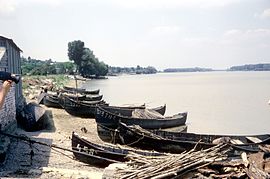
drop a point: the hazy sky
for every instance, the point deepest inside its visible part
(161, 33)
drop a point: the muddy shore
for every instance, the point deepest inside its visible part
(46, 162)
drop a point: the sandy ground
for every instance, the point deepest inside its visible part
(47, 162)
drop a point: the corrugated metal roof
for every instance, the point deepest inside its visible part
(11, 41)
(2, 52)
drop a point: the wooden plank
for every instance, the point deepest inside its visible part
(254, 139)
(236, 141)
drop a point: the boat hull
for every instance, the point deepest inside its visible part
(79, 90)
(110, 120)
(102, 153)
(84, 109)
(51, 101)
(112, 135)
(179, 142)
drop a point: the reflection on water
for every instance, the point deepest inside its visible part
(217, 102)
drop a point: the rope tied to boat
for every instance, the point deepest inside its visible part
(138, 140)
(31, 141)
(113, 136)
(113, 133)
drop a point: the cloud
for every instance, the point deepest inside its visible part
(175, 3)
(248, 36)
(45, 2)
(260, 32)
(232, 32)
(165, 30)
(247, 33)
(7, 6)
(266, 13)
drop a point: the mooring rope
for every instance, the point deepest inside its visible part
(28, 139)
(138, 140)
(113, 132)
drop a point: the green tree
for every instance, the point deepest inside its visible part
(87, 64)
(102, 69)
(150, 70)
(64, 67)
(39, 67)
(76, 51)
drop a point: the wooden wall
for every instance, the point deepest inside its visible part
(11, 62)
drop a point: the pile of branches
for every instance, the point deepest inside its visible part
(209, 163)
(171, 164)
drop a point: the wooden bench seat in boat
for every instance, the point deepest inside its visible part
(236, 141)
(254, 139)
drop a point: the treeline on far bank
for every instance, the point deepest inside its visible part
(251, 67)
(82, 62)
(132, 70)
(31, 66)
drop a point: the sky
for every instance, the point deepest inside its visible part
(161, 33)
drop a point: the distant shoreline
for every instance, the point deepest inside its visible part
(246, 67)
(161, 72)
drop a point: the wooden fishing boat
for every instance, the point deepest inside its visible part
(68, 88)
(33, 117)
(51, 101)
(77, 96)
(109, 117)
(174, 142)
(91, 91)
(108, 153)
(160, 109)
(85, 109)
(84, 97)
(41, 97)
(127, 110)
(92, 97)
(79, 90)
(91, 157)
(112, 135)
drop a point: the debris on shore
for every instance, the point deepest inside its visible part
(208, 163)
(33, 85)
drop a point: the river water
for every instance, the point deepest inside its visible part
(216, 102)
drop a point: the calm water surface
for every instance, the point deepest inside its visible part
(216, 102)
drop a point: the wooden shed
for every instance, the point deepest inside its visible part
(10, 61)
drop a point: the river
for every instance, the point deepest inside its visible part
(216, 102)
